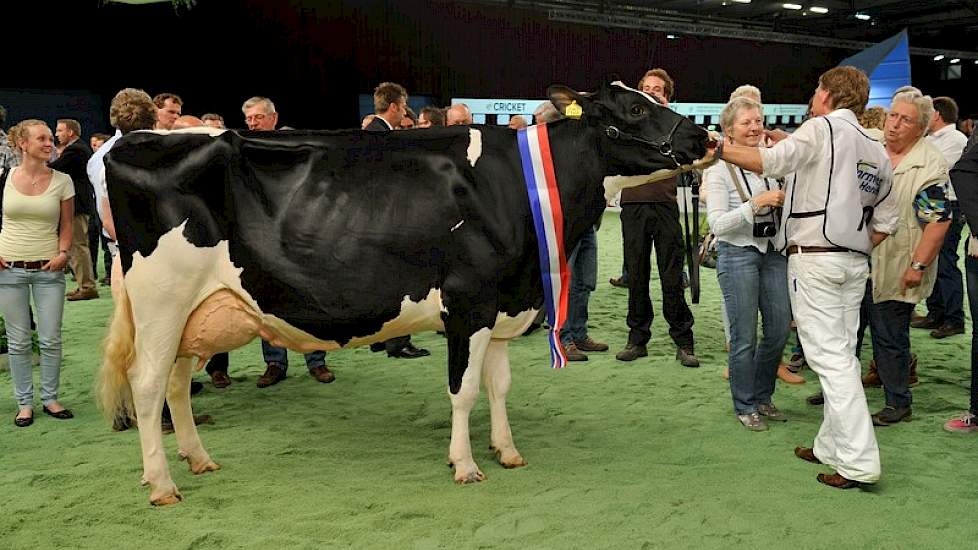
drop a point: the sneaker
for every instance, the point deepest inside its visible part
(753, 421)
(687, 358)
(771, 412)
(632, 352)
(964, 424)
(944, 331)
(572, 353)
(587, 344)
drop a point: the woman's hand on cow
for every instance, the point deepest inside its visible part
(774, 199)
(56, 263)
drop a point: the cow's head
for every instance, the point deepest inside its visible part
(639, 135)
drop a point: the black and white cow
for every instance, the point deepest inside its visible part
(326, 240)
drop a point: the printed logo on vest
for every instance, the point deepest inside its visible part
(868, 175)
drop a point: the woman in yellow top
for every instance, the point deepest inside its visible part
(38, 206)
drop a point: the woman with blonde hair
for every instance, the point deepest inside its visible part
(38, 206)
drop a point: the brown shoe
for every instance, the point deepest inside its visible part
(837, 481)
(872, 378)
(87, 294)
(587, 344)
(274, 374)
(923, 321)
(912, 380)
(787, 376)
(807, 454)
(573, 353)
(944, 331)
(322, 374)
(220, 379)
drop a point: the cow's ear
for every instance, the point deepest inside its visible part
(562, 97)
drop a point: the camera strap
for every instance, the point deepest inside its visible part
(744, 197)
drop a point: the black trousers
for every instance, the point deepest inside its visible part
(217, 363)
(642, 226)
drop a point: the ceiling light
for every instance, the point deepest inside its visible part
(818, 9)
(742, 1)
(791, 6)
(956, 60)
(938, 57)
(863, 16)
(671, 36)
(976, 61)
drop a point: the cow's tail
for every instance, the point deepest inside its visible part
(114, 392)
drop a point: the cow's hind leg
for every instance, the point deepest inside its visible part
(178, 396)
(148, 380)
(496, 378)
(466, 353)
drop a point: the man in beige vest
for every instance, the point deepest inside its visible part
(904, 267)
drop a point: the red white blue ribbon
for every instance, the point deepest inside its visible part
(548, 219)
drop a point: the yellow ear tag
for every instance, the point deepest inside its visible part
(573, 111)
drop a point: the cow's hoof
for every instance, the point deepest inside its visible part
(167, 497)
(204, 467)
(464, 477)
(509, 458)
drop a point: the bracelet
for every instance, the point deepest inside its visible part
(917, 266)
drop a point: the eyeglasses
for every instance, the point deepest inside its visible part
(256, 118)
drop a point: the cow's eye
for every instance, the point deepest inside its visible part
(638, 110)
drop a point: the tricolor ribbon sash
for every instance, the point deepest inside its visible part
(548, 219)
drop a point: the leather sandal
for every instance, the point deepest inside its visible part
(23, 422)
(63, 414)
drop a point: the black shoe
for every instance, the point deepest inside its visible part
(196, 387)
(891, 415)
(63, 414)
(409, 352)
(815, 399)
(687, 358)
(632, 352)
(619, 282)
(944, 331)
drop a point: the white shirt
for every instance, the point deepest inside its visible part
(96, 173)
(731, 219)
(808, 152)
(951, 143)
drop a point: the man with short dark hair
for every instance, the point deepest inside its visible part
(409, 120)
(650, 215)
(390, 106)
(431, 116)
(945, 305)
(169, 107)
(73, 161)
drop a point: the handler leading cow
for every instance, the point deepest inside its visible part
(371, 237)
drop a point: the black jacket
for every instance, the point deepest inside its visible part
(377, 125)
(74, 161)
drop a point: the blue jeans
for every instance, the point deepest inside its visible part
(584, 279)
(889, 322)
(946, 302)
(752, 281)
(273, 354)
(17, 285)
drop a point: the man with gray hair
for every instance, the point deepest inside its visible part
(260, 114)
(459, 114)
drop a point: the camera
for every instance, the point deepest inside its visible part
(765, 229)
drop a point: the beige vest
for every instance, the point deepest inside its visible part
(923, 166)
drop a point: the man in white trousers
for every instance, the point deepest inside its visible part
(836, 209)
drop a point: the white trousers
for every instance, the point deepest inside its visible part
(826, 290)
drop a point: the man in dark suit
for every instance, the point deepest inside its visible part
(390, 105)
(73, 161)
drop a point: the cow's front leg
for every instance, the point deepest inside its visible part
(148, 380)
(188, 440)
(496, 378)
(466, 356)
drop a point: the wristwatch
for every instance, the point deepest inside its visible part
(917, 266)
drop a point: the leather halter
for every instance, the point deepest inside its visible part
(664, 147)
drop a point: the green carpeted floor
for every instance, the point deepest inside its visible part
(638, 455)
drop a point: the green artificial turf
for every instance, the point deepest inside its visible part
(621, 455)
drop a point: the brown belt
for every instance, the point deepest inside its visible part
(810, 249)
(34, 264)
